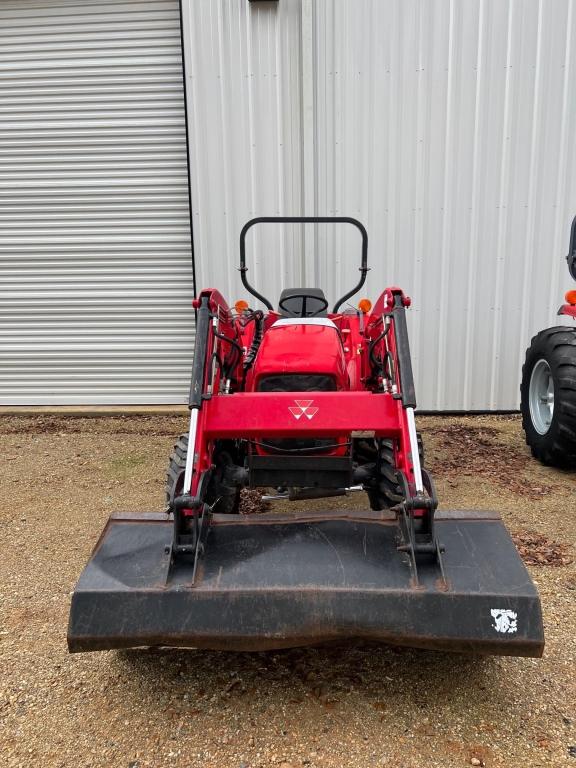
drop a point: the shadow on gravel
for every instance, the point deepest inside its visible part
(325, 673)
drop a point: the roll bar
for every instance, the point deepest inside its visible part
(303, 220)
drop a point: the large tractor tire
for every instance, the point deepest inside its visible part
(548, 397)
(225, 498)
(176, 468)
(387, 492)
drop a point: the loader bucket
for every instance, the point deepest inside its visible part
(282, 580)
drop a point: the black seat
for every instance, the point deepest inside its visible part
(292, 301)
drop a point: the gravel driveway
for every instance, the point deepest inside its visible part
(361, 706)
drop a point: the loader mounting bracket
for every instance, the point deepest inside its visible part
(418, 534)
(191, 530)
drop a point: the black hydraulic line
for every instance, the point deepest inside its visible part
(249, 317)
(304, 220)
(234, 343)
(403, 352)
(200, 350)
(372, 345)
(258, 317)
(217, 358)
(256, 339)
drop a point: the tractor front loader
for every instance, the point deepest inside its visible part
(311, 403)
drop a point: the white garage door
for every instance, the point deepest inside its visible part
(96, 272)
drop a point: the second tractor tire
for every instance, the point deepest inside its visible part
(548, 397)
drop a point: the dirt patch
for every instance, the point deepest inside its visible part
(537, 549)
(154, 425)
(478, 451)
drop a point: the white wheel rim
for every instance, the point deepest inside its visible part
(541, 397)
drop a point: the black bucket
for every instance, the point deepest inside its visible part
(276, 581)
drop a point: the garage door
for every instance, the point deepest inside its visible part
(96, 274)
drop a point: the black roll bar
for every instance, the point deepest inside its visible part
(303, 220)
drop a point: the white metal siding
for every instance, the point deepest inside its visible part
(446, 127)
(95, 253)
(244, 118)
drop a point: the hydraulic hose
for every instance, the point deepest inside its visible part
(256, 339)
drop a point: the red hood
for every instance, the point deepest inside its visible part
(302, 345)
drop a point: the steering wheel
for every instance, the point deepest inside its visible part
(304, 297)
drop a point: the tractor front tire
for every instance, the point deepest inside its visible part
(387, 491)
(226, 499)
(548, 397)
(176, 469)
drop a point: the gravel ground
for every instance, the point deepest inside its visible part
(355, 705)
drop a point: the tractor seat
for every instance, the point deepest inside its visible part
(293, 304)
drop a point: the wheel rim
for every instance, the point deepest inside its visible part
(541, 397)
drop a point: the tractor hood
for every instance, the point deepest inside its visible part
(302, 346)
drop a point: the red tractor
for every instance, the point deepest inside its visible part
(311, 403)
(548, 389)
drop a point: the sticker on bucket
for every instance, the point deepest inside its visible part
(504, 620)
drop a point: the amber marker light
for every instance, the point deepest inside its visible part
(570, 297)
(365, 305)
(241, 306)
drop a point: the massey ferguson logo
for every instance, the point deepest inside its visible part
(303, 408)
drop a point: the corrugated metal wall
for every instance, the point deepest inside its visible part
(95, 251)
(244, 119)
(446, 127)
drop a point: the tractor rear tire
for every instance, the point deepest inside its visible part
(387, 492)
(226, 500)
(548, 397)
